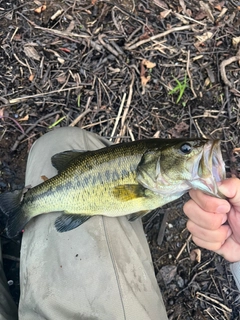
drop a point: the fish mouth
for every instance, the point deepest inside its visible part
(209, 170)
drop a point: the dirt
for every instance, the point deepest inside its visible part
(82, 66)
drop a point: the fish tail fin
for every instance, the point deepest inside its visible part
(13, 213)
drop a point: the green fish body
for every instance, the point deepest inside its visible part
(131, 178)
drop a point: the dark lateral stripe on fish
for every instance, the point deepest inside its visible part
(125, 179)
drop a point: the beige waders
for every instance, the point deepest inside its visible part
(101, 270)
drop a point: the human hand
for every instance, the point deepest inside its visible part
(207, 216)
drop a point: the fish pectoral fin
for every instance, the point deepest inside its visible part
(138, 214)
(67, 222)
(128, 191)
(61, 160)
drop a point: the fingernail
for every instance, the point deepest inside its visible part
(224, 208)
(229, 233)
(224, 219)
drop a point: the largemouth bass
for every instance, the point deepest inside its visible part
(123, 179)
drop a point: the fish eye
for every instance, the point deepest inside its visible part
(186, 148)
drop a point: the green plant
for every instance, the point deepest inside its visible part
(180, 87)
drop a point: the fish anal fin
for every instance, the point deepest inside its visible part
(137, 215)
(128, 192)
(61, 160)
(67, 222)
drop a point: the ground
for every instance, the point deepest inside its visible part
(127, 70)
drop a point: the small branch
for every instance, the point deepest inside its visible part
(118, 116)
(157, 36)
(223, 65)
(213, 300)
(24, 98)
(82, 115)
(125, 112)
(20, 138)
(189, 74)
(183, 247)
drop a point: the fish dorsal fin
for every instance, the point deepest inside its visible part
(68, 222)
(61, 160)
(128, 192)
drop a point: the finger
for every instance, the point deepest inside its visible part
(230, 250)
(211, 237)
(213, 246)
(204, 219)
(234, 222)
(209, 203)
(231, 189)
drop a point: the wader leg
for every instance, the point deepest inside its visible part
(101, 270)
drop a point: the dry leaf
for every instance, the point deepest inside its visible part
(195, 255)
(41, 9)
(61, 79)
(235, 41)
(178, 130)
(182, 4)
(189, 12)
(218, 7)
(164, 14)
(205, 36)
(157, 134)
(145, 80)
(17, 37)
(31, 77)
(160, 4)
(207, 9)
(148, 64)
(31, 52)
(207, 82)
(200, 15)
(24, 118)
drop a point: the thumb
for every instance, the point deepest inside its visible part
(231, 189)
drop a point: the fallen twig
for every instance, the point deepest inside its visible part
(118, 116)
(107, 45)
(20, 138)
(157, 36)
(189, 74)
(125, 112)
(17, 124)
(183, 247)
(213, 300)
(21, 99)
(223, 65)
(82, 115)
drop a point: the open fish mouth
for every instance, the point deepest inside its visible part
(209, 170)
